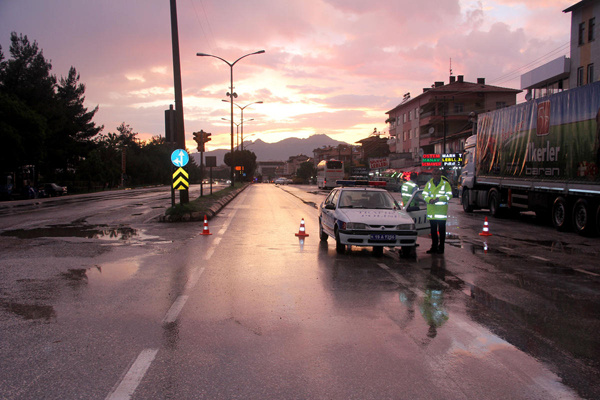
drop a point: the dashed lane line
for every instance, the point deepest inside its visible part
(134, 376)
(128, 384)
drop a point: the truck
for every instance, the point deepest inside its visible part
(542, 156)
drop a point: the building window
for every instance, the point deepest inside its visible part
(580, 76)
(410, 115)
(500, 104)
(592, 30)
(416, 132)
(459, 108)
(417, 113)
(590, 73)
(405, 136)
(581, 33)
(404, 117)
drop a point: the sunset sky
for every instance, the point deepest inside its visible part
(331, 66)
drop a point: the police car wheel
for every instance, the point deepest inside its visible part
(339, 247)
(322, 235)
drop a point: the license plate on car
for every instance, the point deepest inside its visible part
(382, 236)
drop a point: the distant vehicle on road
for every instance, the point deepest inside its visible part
(283, 181)
(51, 190)
(364, 216)
(328, 173)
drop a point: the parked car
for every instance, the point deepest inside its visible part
(365, 216)
(282, 181)
(51, 190)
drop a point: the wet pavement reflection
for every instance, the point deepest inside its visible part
(108, 234)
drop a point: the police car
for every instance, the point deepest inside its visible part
(364, 216)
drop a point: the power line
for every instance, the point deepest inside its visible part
(208, 36)
(517, 72)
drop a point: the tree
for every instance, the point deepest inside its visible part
(48, 127)
(70, 138)
(245, 158)
(26, 90)
(306, 171)
(22, 133)
(27, 75)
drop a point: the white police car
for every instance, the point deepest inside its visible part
(364, 216)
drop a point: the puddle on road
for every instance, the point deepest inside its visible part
(30, 311)
(109, 272)
(112, 235)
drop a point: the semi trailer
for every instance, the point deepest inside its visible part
(543, 156)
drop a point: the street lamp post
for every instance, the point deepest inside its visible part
(237, 131)
(231, 96)
(242, 117)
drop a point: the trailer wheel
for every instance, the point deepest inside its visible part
(582, 217)
(466, 201)
(560, 214)
(494, 203)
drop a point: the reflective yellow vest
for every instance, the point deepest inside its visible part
(408, 188)
(443, 190)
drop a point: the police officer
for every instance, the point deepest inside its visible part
(408, 188)
(437, 193)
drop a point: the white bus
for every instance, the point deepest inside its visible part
(328, 173)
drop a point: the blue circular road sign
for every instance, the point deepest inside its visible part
(180, 158)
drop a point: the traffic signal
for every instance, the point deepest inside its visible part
(201, 138)
(198, 139)
(206, 137)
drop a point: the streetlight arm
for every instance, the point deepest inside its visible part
(231, 100)
(210, 55)
(256, 52)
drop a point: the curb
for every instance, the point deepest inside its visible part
(212, 210)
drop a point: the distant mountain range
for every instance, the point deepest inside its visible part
(278, 151)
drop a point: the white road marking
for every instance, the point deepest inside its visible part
(540, 258)
(134, 376)
(177, 306)
(193, 280)
(401, 280)
(583, 271)
(175, 309)
(129, 383)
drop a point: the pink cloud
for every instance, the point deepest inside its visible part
(339, 54)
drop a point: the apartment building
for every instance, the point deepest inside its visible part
(581, 67)
(438, 120)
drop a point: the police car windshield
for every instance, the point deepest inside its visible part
(366, 200)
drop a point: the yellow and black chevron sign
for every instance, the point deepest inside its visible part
(181, 179)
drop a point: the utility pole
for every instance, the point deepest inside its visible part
(184, 196)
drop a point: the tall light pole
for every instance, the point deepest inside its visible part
(237, 131)
(242, 117)
(179, 128)
(231, 96)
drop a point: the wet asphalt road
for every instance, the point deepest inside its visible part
(150, 310)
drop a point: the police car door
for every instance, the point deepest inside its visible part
(328, 212)
(417, 209)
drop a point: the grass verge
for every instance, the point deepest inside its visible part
(202, 204)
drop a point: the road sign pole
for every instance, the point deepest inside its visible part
(201, 172)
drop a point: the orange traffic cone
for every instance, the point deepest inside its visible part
(206, 231)
(302, 231)
(486, 229)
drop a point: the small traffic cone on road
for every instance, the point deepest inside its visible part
(302, 231)
(486, 229)
(206, 231)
